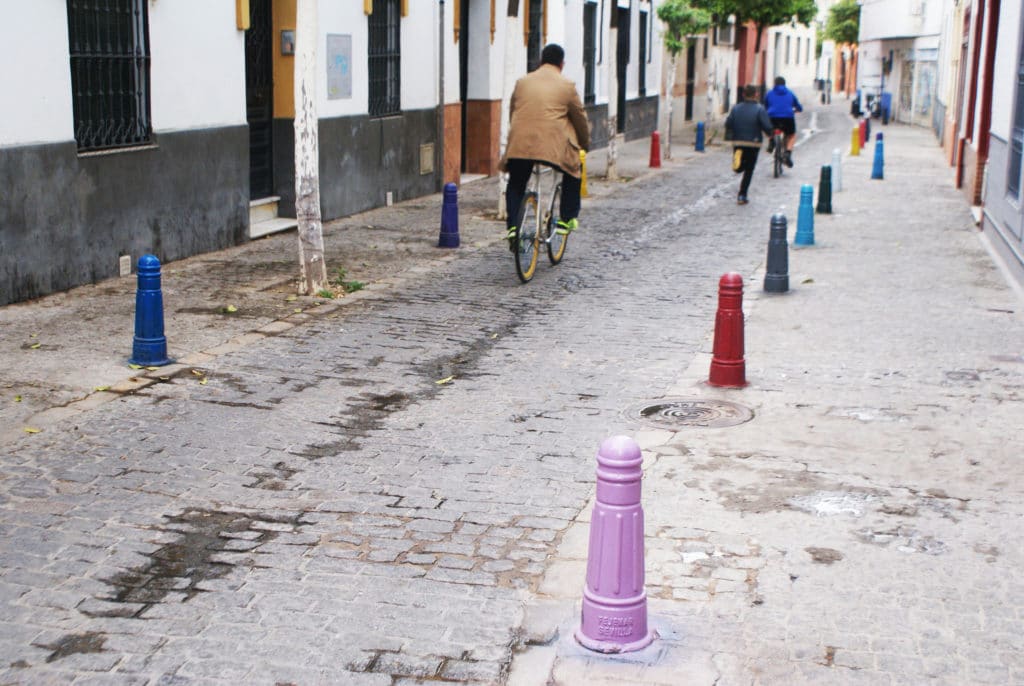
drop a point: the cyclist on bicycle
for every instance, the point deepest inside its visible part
(781, 104)
(548, 125)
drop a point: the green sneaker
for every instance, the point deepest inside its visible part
(565, 228)
(511, 237)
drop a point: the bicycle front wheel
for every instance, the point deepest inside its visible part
(527, 245)
(556, 242)
(777, 164)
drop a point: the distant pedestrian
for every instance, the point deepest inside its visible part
(746, 122)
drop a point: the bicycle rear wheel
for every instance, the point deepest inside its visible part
(527, 245)
(777, 159)
(556, 242)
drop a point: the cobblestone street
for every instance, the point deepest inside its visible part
(398, 491)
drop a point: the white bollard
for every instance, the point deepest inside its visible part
(837, 170)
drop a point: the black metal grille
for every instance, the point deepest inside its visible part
(643, 54)
(535, 37)
(109, 46)
(385, 55)
(589, 52)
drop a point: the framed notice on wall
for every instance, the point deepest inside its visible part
(339, 66)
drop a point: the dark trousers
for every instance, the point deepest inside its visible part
(747, 163)
(519, 175)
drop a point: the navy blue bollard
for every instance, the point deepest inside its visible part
(449, 217)
(700, 137)
(776, 277)
(149, 348)
(805, 217)
(878, 167)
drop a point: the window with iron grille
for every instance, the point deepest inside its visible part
(385, 58)
(109, 48)
(643, 54)
(533, 44)
(1017, 135)
(589, 52)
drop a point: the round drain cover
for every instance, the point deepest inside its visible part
(674, 413)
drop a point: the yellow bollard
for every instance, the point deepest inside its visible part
(855, 142)
(583, 173)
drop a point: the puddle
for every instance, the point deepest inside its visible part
(72, 644)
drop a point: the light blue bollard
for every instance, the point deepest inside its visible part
(700, 137)
(149, 349)
(805, 217)
(877, 169)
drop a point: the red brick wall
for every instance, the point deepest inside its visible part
(452, 143)
(483, 134)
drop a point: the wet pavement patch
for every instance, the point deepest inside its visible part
(72, 644)
(181, 567)
(676, 413)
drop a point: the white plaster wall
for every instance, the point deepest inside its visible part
(347, 18)
(451, 50)
(900, 18)
(1008, 45)
(799, 72)
(35, 102)
(197, 66)
(419, 56)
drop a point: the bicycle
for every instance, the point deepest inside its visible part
(778, 160)
(534, 227)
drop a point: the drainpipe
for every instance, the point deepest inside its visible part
(440, 86)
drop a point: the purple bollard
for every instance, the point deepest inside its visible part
(614, 615)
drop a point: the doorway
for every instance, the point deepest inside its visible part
(464, 78)
(622, 65)
(691, 74)
(259, 99)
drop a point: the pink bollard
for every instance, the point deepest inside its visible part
(614, 615)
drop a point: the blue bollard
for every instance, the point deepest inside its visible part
(700, 137)
(805, 217)
(449, 237)
(149, 348)
(877, 168)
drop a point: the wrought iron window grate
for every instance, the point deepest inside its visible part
(589, 52)
(109, 47)
(385, 58)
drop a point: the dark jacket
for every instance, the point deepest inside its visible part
(781, 103)
(746, 121)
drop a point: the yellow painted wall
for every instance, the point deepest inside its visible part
(284, 66)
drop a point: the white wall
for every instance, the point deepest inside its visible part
(197, 66)
(799, 71)
(419, 55)
(35, 101)
(900, 18)
(1008, 45)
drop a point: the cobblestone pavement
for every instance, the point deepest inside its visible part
(396, 491)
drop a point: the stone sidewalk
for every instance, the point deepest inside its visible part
(68, 352)
(862, 527)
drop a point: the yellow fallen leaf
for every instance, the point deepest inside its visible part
(297, 309)
(202, 381)
(493, 336)
(198, 372)
(35, 345)
(152, 369)
(807, 281)
(32, 430)
(135, 366)
(17, 398)
(231, 308)
(33, 335)
(447, 379)
(291, 298)
(101, 388)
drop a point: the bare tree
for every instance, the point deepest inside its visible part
(612, 168)
(682, 24)
(313, 271)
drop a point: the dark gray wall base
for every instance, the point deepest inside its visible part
(65, 219)
(641, 120)
(361, 159)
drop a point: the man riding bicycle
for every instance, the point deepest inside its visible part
(781, 104)
(548, 125)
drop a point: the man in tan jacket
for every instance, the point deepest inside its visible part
(548, 125)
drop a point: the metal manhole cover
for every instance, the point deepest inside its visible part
(673, 413)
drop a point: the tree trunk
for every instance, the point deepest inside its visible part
(507, 84)
(612, 169)
(666, 144)
(313, 271)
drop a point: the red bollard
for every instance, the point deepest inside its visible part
(863, 133)
(655, 149)
(728, 367)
